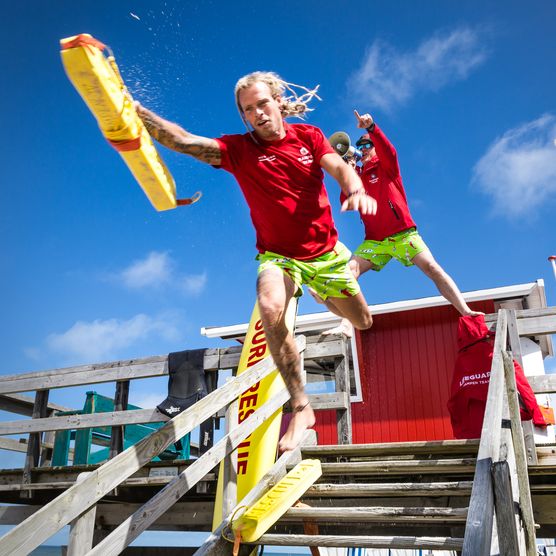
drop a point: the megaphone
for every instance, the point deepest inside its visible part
(341, 143)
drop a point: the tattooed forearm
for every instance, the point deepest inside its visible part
(178, 139)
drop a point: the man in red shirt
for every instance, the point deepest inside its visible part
(392, 233)
(279, 169)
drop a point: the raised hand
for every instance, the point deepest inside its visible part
(365, 121)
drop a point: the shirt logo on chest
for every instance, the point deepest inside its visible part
(265, 158)
(306, 157)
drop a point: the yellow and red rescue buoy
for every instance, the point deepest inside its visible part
(97, 79)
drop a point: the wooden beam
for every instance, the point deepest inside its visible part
(505, 511)
(83, 421)
(59, 512)
(543, 384)
(394, 448)
(82, 529)
(362, 490)
(478, 529)
(23, 405)
(377, 514)
(343, 416)
(431, 543)
(400, 467)
(520, 456)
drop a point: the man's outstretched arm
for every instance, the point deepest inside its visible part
(178, 139)
(350, 183)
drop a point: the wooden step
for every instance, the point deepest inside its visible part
(374, 514)
(431, 543)
(433, 447)
(404, 467)
(328, 490)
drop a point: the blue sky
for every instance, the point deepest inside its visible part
(90, 272)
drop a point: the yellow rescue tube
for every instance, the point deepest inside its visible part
(267, 510)
(257, 453)
(97, 79)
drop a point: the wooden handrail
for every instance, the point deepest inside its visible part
(478, 528)
(155, 366)
(37, 528)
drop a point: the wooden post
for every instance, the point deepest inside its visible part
(120, 404)
(515, 347)
(343, 416)
(505, 511)
(229, 468)
(520, 457)
(40, 409)
(82, 529)
(478, 528)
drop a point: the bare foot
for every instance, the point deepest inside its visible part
(303, 418)
(345, 327)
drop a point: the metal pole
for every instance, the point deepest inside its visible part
(552, 259)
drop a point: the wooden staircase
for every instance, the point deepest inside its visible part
(410, 495)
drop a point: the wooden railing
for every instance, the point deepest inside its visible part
(501, 476)
(76, 504)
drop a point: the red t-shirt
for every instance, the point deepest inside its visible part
(382, 180)
(282, 182)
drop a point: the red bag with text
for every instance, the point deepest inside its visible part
(471, 379)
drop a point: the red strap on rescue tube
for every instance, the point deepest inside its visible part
(193, 199)
(83, 40)
(124, 146)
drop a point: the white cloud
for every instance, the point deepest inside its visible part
(519, 169)
(388, 78)
(154, 270)
(194, 283)
(158, 269)
(105, 339)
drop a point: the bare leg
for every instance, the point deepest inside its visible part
(446, 286)
(274, 291)
(357, 266)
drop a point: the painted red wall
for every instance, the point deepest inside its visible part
(406, 361)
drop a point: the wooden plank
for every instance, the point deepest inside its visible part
(490, 435)
(354, 490)
(402, 467)
(478, 528)
(320, 402)
(34, 442)
(82, 529)
(520, 456)
(66, 507)
(133, 369)
(430, 543)
(79, 378)
(537, 326)
(543, 384)
(343, 416)
(216, 544)
(525, 313)
(377, 514)
(23, 405)
(83, 421)
(132, 482)
(133, 526)
(120, 404)
(229, 465)
(13, 445)
(505, 513)
(394, 448)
